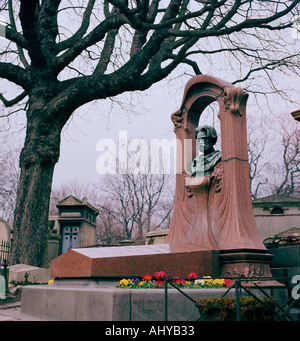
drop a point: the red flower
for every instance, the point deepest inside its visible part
(180, 281)
(174, 279)
(159, 282)
(192, 275)
(227, 282)
(147, 278)
(160, 275)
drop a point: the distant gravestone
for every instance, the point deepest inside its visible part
(4, 231)
(23, 272)
(2, 288)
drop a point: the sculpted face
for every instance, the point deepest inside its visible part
(203, 164)
(205, 143)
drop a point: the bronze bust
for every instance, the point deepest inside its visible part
(203, 165)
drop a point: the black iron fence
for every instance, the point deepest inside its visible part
(279, 310)
(5, 251)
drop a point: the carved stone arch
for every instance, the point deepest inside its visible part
(217, 212)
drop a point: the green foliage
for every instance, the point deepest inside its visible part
(251, 308)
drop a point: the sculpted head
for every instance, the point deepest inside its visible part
(206, 137)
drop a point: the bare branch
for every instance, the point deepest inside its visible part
(221, 29)
(92, 38)
(81, 31)
(10, 103)
(13, 25)
(14, 74)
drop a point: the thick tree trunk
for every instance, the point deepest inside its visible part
(37, 162)
(31, 215)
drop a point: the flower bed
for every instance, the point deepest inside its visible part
(192, 282)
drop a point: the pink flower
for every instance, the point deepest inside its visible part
(160, 275)
(192, 275)
(180, 281)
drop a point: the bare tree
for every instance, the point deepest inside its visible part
(284, 176)
(109, 230)
(9, 177)
(75, 187)
(258, 138)
(135, 201)
(118, 46)
(274, 159)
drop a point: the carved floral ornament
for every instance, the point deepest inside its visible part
(178, 119)
(245, 270)
(232, 99)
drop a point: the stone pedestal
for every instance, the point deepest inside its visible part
(249, 263)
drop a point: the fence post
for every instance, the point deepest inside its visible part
(237, 304)
(166, 300)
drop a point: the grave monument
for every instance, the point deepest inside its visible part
(213, 230)
(214, 211)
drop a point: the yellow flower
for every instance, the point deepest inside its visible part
(124, 282)
(141, 283)
(216, 281)
(51, 281)
(207, 279)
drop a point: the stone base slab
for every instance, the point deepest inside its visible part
(98, 300)
(73, 302)
(135, 261)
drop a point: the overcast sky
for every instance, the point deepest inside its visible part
(78, 148)
(94, 121)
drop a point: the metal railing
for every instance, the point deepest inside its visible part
(5, 251)
(279, 310)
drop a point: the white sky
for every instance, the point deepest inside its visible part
(78, 146)
(90, 123)
(79, 139)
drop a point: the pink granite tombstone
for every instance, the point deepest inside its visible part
(216, 212)
(212, 214)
